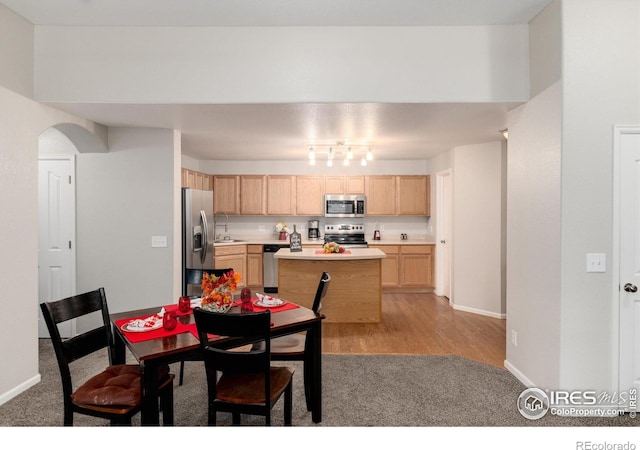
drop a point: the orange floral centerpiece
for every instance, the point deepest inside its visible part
(217, 291)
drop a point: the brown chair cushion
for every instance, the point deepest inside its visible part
(116, 385)
(249, 388)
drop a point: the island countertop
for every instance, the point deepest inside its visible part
(314, 254)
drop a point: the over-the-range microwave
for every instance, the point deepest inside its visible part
(344, 205)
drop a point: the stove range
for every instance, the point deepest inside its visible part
(346, 235)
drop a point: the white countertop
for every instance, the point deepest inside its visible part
(267, 241)
(351, 253)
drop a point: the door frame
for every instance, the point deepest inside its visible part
(440, 220)
(72, 223)
(618, 131)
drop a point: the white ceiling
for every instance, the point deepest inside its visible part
(281, 131)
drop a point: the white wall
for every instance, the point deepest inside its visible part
(375, 167)
(124, 197)
(16, 53)
(20, 127)
(478, 229)
(601, 88)
(282, 64)
(545, 48)
(533, 239)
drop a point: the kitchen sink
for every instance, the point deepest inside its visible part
(226, 241)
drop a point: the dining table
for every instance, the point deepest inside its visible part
(156, 348)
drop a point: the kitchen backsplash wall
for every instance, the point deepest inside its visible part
(390, 227)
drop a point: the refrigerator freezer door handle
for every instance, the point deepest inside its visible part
(205, 236)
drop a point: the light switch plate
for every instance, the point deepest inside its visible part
(158, 241)
(596, 262)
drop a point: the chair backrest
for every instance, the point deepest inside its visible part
(323, 285)
(194, 276)
(255, 326)
(77, 347)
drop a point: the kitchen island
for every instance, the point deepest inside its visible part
(355, 291)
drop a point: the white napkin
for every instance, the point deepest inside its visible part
(147, 322)
(268, 300)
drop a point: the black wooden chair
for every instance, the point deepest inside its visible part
(116, 392)
(248, 383)
(292, 347)
(194, 277)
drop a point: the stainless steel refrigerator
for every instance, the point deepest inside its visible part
(197, 237)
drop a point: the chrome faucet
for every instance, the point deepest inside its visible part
(215, 224)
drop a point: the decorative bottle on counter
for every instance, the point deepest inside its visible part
(295, 241)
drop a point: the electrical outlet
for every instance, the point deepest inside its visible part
(596, 262)
(514, 338)
(158, 241)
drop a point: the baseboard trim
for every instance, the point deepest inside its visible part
(5, 397)
(479, 311)
(407, 290)
(519, 375)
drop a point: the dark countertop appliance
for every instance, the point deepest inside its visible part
(314, 230)
(346, 235)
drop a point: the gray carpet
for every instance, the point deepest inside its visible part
(358, 391)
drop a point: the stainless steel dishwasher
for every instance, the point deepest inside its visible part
(270, 267)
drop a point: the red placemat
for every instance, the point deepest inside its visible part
(174, 307)
(191, 328)
(287, 306)
(321, 252)
(153, 334)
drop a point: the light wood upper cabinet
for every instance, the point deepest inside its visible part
(252, 194)
(339, 184)
(196, 180)
(310, 195)
(226, 194)
(281, 195)
(354, 184)
(413, 195)
(334, 184)
(380, 191)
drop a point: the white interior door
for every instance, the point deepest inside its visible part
(628, 218)
(443, 238)
(56, 215)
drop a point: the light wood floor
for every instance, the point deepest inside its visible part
(421, 324)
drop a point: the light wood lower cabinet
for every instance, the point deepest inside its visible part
(416, 266)
(407, 266)
(389, 265)
(234, 257)
(254, 275)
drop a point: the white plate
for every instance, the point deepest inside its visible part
(270, 305)
(130, 329)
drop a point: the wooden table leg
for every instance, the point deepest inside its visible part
(315, 372)
(118, 355)
(150, 414)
